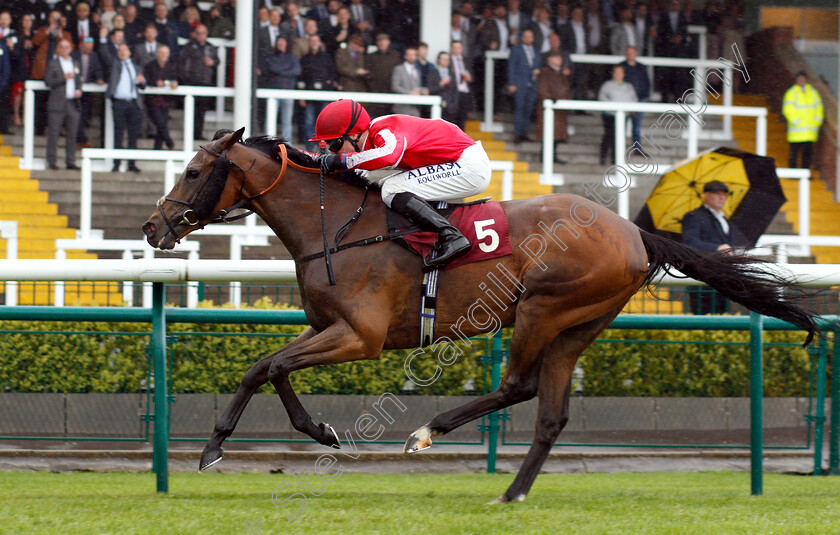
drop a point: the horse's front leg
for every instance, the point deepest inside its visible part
(254, 378)
(338, 343)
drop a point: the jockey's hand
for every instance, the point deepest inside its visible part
(331, 163)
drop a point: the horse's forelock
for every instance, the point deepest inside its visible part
(221, 133)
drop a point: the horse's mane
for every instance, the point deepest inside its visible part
(268, 145)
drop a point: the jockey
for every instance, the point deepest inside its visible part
(422, 159)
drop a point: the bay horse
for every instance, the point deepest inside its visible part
(574, 265)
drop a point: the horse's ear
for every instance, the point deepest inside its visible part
(236, 137)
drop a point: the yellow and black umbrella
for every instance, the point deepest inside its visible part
(755, 193)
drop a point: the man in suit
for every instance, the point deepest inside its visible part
(459, 71)
(123, 82)
(405, 79)
(293, 25)
(524, 65)
(62, 77)
(707, 229)
(574, 37)
(83, 26)
(671, 42)
(90, 71)
(623, 34)
(362, 18)
(143, 53)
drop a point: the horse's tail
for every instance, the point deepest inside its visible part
(741, 278)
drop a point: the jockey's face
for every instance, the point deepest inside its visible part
(348, 147)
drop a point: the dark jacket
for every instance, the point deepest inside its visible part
(95, 70)
(701, 230)
(318, 71)
(519, 72)
(21, 58)
(283, 70)
(381, 66)
(5, 65)
(191, 67)
(153, 73)
(637, 76)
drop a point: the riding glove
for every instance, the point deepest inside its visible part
(331, 163)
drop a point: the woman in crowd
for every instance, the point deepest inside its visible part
(21, 55)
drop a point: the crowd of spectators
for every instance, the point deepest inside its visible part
(357, 45)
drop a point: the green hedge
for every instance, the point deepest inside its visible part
(210, 358)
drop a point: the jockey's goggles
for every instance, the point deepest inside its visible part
(335, 144)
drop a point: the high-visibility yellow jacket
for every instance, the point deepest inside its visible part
(803, 109)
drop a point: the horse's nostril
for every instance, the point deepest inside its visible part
(149, 228)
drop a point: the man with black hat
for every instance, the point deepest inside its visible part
(707, 228)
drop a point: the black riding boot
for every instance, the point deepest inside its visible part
(451, 243)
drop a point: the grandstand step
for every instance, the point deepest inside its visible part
(45, 233)
(14, 184)
(50, 221)
(14, 173)
(10, 210)
(9, 162)
(29, 197)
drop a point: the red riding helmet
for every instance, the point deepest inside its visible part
(341, 118)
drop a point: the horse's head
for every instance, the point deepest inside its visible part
(203, 193)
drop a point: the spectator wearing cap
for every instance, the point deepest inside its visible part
(553, 84)
(350, 64)
(803, 110)
(707, 228)
(381, 64)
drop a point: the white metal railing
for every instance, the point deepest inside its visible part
(699, 70)
(86, 183)
(177, 270)
(271, 96)
(189, 93)
(128, 248)
(695, 110)
(9, 232)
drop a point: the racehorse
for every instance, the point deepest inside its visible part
(574, 265)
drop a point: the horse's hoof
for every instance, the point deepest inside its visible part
(330, 437)
(209, 457)
(418, 440)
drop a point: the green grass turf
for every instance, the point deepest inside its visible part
(667, 503)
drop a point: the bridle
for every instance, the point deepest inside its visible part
(215, 183)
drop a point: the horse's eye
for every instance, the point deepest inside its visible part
(192, 174)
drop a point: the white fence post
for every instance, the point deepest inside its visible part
(271, 116)
(9, 231)
(28, 125)
(60, 255)
(85, 197)
(548, 141)
(128, 286)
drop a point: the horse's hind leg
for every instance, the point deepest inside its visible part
(553, 412)
(254, 378)
(519, 383)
